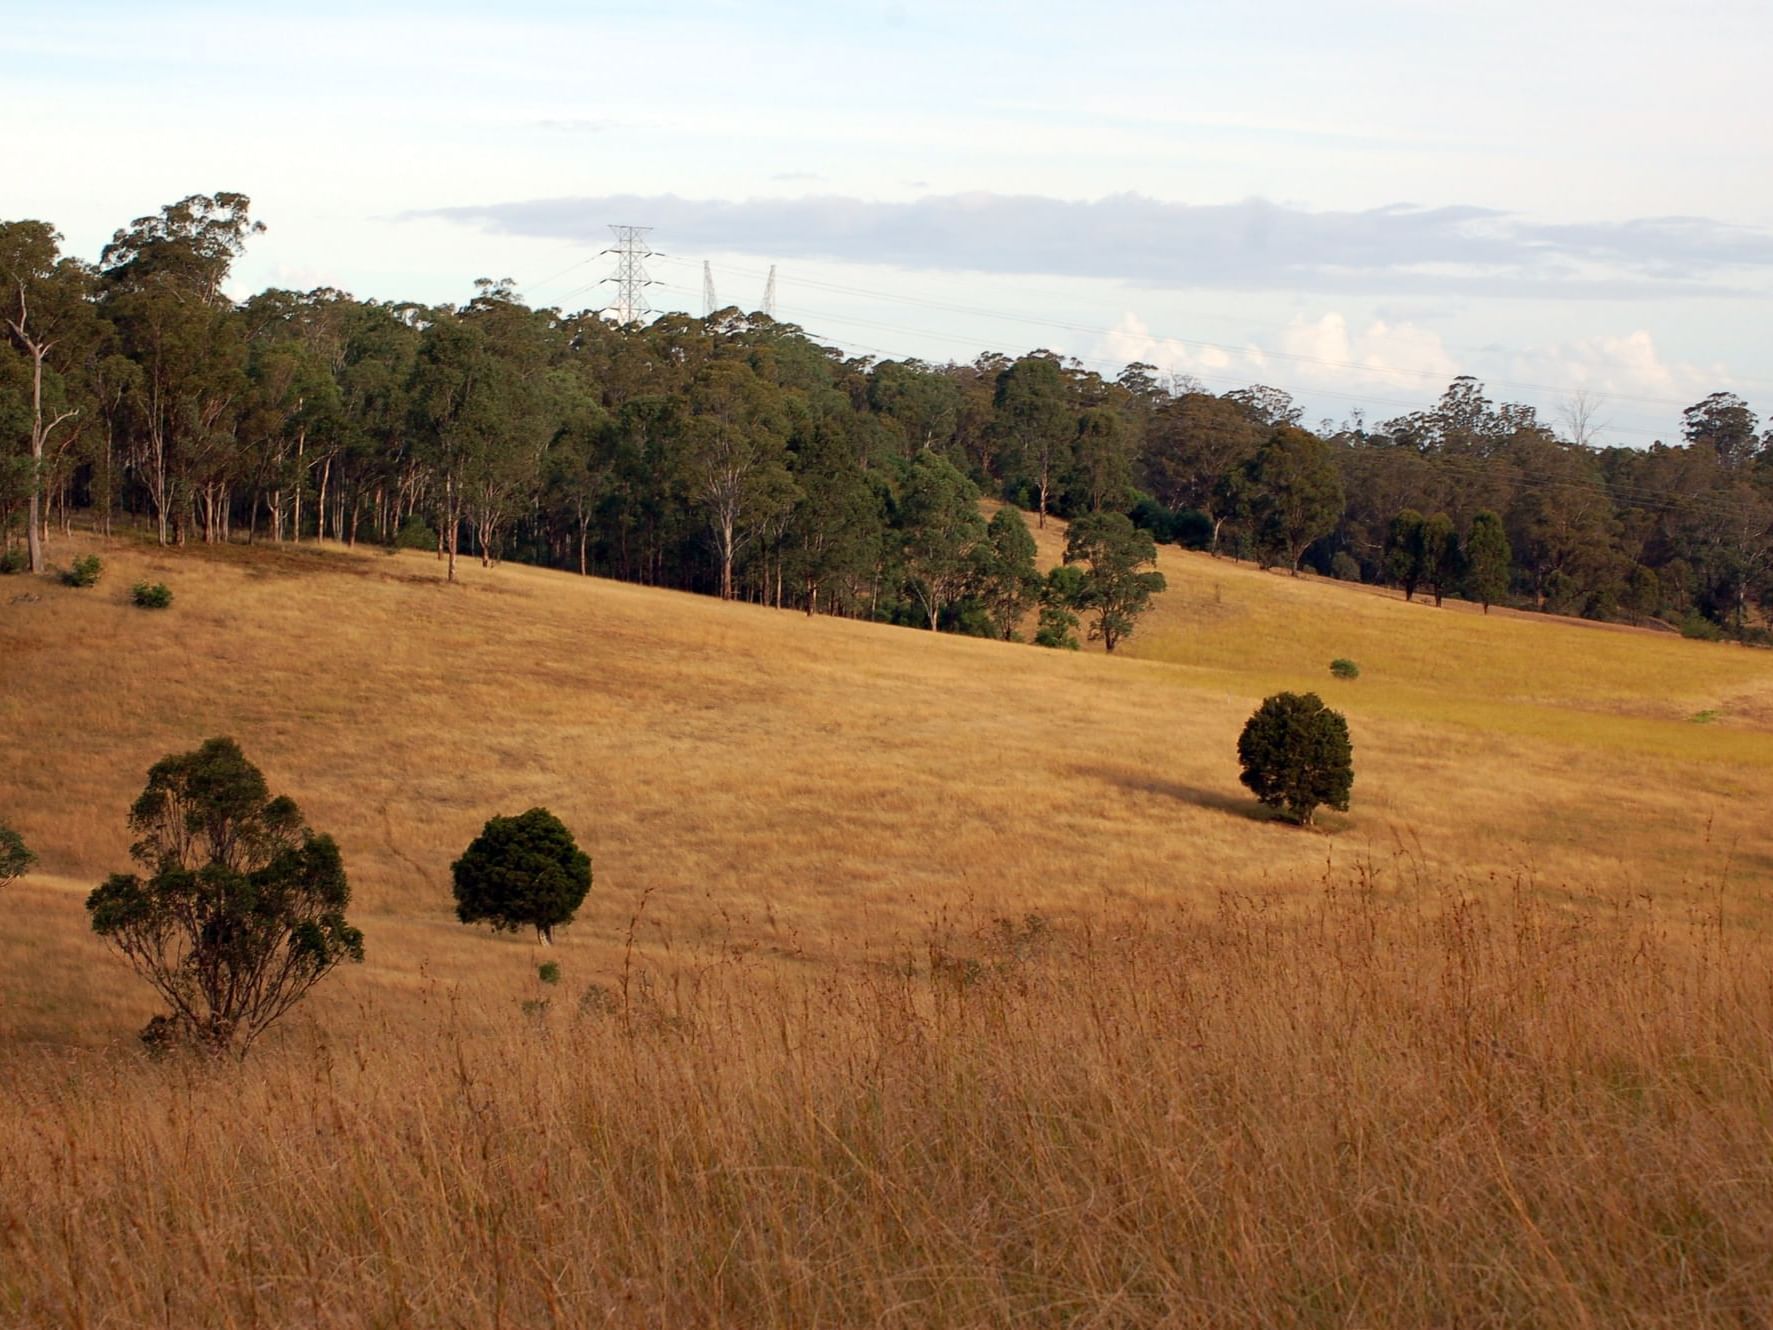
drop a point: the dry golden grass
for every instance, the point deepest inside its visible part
(1519, 1076)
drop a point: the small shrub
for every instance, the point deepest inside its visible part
(13, 561)
(548, 972)
(15, 857)
(151, 595)
(86, 571)
(1344, 567)
(416, 534)
(1344, 668)
(1701, 629)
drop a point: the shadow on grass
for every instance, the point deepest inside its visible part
(1242, 806)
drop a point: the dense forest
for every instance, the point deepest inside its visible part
(734, 455)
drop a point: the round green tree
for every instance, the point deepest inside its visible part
(522, 872)
(1296, 755)
(15, 858)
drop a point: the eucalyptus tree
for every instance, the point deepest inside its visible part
(939, 529)
(1294, 493)
(1195, 445)
(45, 307)
(162, 290)
(1120, 577)
(1036, 419)
(735, 458)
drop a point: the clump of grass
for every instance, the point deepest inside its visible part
(1705, 717)
(1344, 668)
(151, 595)
(548, 972)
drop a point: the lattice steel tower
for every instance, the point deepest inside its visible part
(630, 277)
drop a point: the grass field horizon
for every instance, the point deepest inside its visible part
(924, 980)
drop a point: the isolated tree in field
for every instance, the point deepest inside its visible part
(522, 872)
(1008, 582)
(1296, 755)
(243, 908)
(1487, 559)
(15, 858)
(1117, 588)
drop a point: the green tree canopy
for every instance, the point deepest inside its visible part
(15, 858)
(243, 907)
(1117, 586)
(1296, 755)
(522, 872)
(1487, 559)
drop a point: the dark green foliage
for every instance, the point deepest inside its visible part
(1643, 593)
(522, 872)
(1344, 668)
(1441, 556)
(548, 972)
(15, 857)
(86, 571)
(415, 534)
(13, 561)
(1344, 567)
(1008, 584)
(151, 595)
(1487, 559)
(1296, 755)
(1292, 491)
(243, 908)
(1060, 595)
(1403, 551)
(1115, 591)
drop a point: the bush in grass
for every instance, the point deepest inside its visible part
(151, 595)
(1344, 668)
(522, 872)
(1296, 755)
(13, 561)
(416, 534)
(86, 571)
(15, 857)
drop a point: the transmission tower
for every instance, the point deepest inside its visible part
(769, 293)
(630, 276)
(708, 303)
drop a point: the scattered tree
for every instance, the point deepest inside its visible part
(1296, 755)
(1060, 595)
(1115, 590)
(522, 872)
(243, 908)
(15, 858)
(1008, 582)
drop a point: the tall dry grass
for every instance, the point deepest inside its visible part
(1413, 1108)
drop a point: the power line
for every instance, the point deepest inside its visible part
(1202, 344)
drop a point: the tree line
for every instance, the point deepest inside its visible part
(735, 455)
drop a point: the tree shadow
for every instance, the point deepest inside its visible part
(1243, 806)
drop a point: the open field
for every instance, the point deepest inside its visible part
(1494, 1050)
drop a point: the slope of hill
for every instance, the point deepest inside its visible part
(925, 981)
(816, 787)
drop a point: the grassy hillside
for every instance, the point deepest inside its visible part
(924, 980)
(821, 788)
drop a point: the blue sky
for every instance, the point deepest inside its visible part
(1353, 201)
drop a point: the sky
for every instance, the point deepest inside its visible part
(1354, 200)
